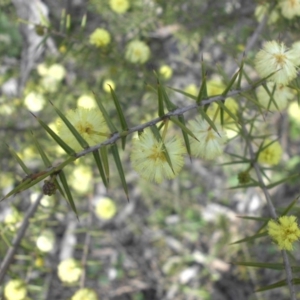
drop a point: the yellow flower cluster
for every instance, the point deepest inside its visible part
(85, 294)
(284, 232)
(148, 156)
(100, 38)
(106, 208)
(15, 289)
(276, 57)
(88, 122)
(69, 270)
(137, 52)
(119, 6)
(271, 153)
(209, 143)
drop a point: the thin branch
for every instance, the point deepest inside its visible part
(17, 240)
(288, 269)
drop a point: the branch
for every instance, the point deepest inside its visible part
(17, 240)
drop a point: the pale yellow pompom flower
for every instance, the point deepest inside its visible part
(276, 57)
(289, 8)
(215, 87)
(106, 85)
(281, 95)
(81, 179)
(230, 104)
(191, 89)
(105, 208)
(69, 270)
(46, 241)
(210, 143)
(100, 38)
(86, 101)
(148, 156)
(294, 111)
(88, 122)
(284, 232)
(271, 153)
(137, 52)
(34, 101)
(15, 289)
(119, 6)
(85, 294)
(166, 72)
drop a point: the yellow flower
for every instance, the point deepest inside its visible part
(100, 38)
(276, 57)
(137, 52)
(191, 89)
(149, 160)
(289, 8)
(88, 122)
(45, 242)
(280, 94)
(81, 179)
(166, 72)
(271, 153)
(69, 270)
(210, 143)
(34, 101)
(215, 87)
(57, 72)
(284, 232)
(294, 111)
(15, 289)
(86, 101)
(106, 85)
(85, 294)
(106, 208)
(119, 6)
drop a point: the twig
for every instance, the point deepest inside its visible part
(86, 246)
(288, 269)
(17, 240)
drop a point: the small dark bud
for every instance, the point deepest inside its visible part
(244, 177)
(40, 30)
(49, 188)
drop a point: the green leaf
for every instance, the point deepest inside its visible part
(230, 84)
(110, 125)
(273, 266)
(161, 112)
(43, 155)
(241, 70)
(104, 158)
(56, 138)
(209, 121)
(185, 133)
(170, 105)
(251, 238)
(19, 160)
(121, 116)
(82, 142)
(183, 93)
(273, 286)
(181, 124)
(100, 167)
(118, 163)
(260, 219)
(286, 179)
(202, 92)
(65, 185)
